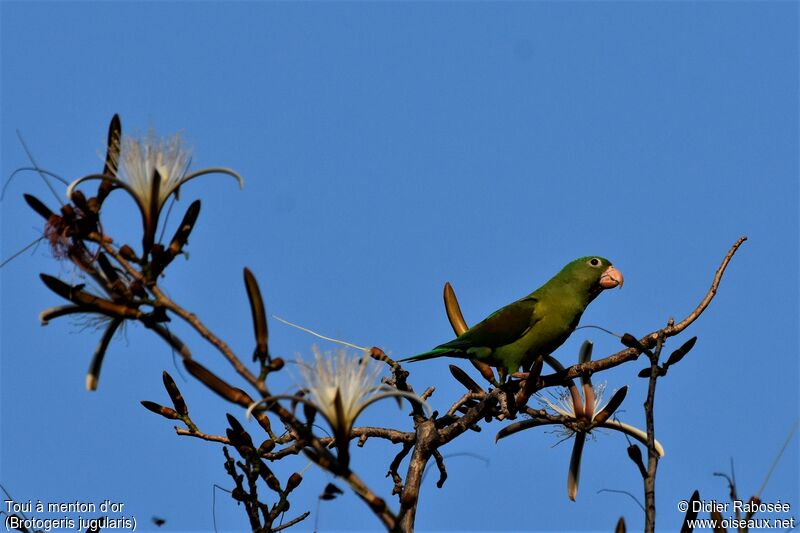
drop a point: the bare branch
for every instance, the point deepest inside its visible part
(395, 465)
(200, 435)
(292, 522)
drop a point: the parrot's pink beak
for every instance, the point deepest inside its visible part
(611, 278)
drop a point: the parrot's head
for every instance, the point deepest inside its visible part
(592, 274)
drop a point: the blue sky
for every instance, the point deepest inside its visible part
(388, 148)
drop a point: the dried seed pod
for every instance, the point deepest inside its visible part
(263, 421)
(159, 409)
(237, 441)
(612, 405)
(293, 482)
(454, 314)
(632, 342)
(678, 354)
(717, 518)
(585, 354)
(485, 370)
(232, 394)
(574, 474)
(91, 303)
(312, 455)
(517, 427)
(113, 146)
(266, 446)
(691, 513)
(181, 236)
(38, 206)
(310, 412)
(54, 312)
(261, 352)
(270, 479)
(127, 253)
(752, 505)
(341, 433)
(93, 205)
(174, 394)
(79, 199)
(107, 268)
(235, 425)
(464, 379)
(151, 222)
(93, 375)
(635, 454)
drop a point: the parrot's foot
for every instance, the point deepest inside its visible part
(502, 373)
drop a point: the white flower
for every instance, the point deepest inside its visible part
(340, 387)
(354, 379)
(564, 405)
(151, 170)
(579, 415)
(141, 161)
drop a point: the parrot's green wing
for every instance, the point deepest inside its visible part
(502, 327)
(536, 325)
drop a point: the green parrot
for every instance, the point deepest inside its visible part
(514, 336)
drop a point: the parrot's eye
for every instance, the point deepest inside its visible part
(594, 262)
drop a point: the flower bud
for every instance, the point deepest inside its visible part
(293, 482)
(266, 446)
(164, 411)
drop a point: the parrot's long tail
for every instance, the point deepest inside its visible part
(438, 352)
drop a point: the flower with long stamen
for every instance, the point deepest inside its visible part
(579, 415)
(340, 387)
(151, 170)
(562, 405)
(352, 379)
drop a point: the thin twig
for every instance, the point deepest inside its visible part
(20, 252)
(467, 397)
(200, 435)
(36, 166)
(292, 522)
(395, 465)
(652, 454)
(778, 457)
(634, 498)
